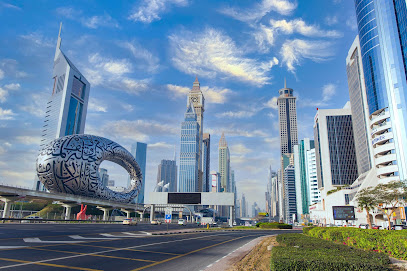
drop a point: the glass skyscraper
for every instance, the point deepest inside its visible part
(189, 154)
(290, 200)
(167, 172)
(224, 164)
(383, 43)
(139, 151)
(206, 162)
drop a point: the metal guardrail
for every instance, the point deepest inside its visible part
(33, 220)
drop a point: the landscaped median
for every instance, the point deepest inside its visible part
(301, 252)
(393, 243)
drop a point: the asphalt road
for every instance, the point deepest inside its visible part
(114, 247)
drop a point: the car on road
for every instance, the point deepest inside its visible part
(129, 221)
(32, 219)
(182, 222)
(156, 222)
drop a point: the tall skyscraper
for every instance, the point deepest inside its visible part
(224, 164)
(360, 110)
(383, 44)
(189, 154)
(65, 112)
(243, 207)
(167, 173)
(311, 166)
(290, 201)
(301, 181)
(196, 98)
(274, 199)
(139, 151)
(206, 162)
(103, 176)
(334, 148)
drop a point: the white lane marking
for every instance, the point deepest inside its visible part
(110, 235)
(106, 251)
(8, 247)
(210, 265)
(78, 237)
(38, 240)
(134, 234)
(121, 236)
(148, 233)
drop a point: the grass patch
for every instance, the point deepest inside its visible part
(301, 252)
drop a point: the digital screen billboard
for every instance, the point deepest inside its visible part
(184, 198)
(344, 212)
(214, 180)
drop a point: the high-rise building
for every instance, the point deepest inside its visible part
(111, 182)
(65, 112)
(215, 181)
(189, 154)
(206, 162)
(311, 166)
(274, 198)
(301, 181)
(103, 176)
(290, 201)
(224, 164)
(167, 173)
(383, 44)
(243, 207)
(139, 151)
(360, 110)
(196, 98)
(334, 148)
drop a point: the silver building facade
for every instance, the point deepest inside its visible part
(167, 173)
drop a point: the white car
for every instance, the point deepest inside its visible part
(156, 222)
(129, 221)
(182, 222)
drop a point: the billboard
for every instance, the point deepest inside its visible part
(184, 198)
(343, 212)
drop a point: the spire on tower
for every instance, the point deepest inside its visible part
(222, 141)
(285, 83)
(196, 85)
(59, 41)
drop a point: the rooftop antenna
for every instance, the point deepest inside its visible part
(175, 153)
(59, 41)
(285, 83)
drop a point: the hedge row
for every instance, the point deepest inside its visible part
(273, 225)
(393, 243)
(302, 252)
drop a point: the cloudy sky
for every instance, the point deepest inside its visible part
(141, 58)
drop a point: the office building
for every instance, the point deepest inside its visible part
(65, 112)
(139, 151)
(111, 182)
(167, 173)
(274, 197)
(359, 107)
(197, 100)
(382, 27)
(189, 154)
(243, 207)
(311, 175)
(215, 182)
(224, 164)
(301, 181)
(290, 202)
(334, 148)
(103, 176)
(206, 162)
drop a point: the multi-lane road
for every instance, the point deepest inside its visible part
(114, 247)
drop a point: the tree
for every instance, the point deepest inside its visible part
(367, 200)
(390, 196)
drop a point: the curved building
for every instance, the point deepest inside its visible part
(383, 42)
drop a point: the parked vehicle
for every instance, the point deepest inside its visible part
(399, 227)
(156, 222)
(377, 227)
(32, 219)
(363, 226)
(182, 222)
(207, 220)
(129, 221)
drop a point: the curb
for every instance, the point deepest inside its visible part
(176, 232)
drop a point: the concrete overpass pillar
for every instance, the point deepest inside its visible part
(68, 208)
(127, 212)
(231, 216)
(7, 205)
(152, 211)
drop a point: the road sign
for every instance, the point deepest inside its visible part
(168, 214)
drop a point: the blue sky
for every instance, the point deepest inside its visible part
(141, 58)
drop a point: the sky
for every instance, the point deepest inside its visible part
(141, 58)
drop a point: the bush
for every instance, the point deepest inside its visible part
(305, 230)
(393, 243)
(302, 252)
(258, 224)
(275, 225)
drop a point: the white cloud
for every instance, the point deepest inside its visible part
(328, 91)
(210, 53)
(6, 114)
(140, 53)
(127, 107)
(160, 145)
(7, 5)
(351, 22)
(9, 68)
(274, 142)
(29, 140)
(237, 114)
(93, 22)
(3, 95)
(294, 51)
(238, 149)
(96, 106)
(264, 37)
(231, 131)
(1, 74)
(13, 86)
(283, 7)
(111, 73)
(151, 10)
(212, 95)
(178, 90)
(39, 40)
(301, 27)
(36, 105)
(331, 20)
(272, 103)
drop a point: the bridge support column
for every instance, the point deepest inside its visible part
(152, 211)
(7, 205)
(68, 208)
(231, 216)
(105, 212)
(128, 212)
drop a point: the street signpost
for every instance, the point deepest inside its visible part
(168, 214)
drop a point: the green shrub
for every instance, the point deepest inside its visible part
(275, 225)
(305, 230)
(302, 252)
(258, 224)
(393, 243)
